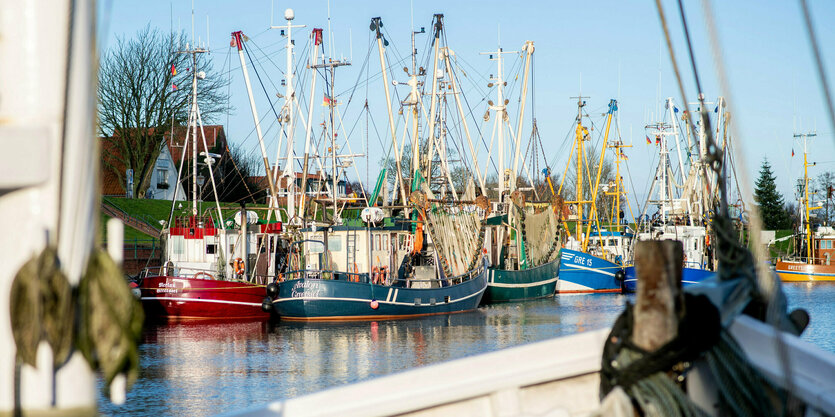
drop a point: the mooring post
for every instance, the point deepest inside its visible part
(658, 265)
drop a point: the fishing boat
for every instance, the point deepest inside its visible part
(423, 257)
(212, 267)
(695, 353)
(592, 259)
(522, 237)
(682, 192)
(816, 263)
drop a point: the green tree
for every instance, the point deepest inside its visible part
(772, 209)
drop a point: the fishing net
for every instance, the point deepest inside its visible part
(539, 227)
(457, 234)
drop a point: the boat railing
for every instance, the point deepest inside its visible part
(199, 273)
(364, 277)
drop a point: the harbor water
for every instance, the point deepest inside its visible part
(210, 368)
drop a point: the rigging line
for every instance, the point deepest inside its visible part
(770, 286)
(359, 75)
(818, 62)
(476, 124)
(254, 68)
(673, 60)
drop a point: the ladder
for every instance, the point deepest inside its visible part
(351, 250)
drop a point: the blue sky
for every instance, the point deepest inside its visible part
(609, 49)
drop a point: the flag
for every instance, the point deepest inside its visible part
(792, 152)
(326, 101)
(173, 87)
(623, 156)
(658, 139)
(173, 70)
(649, 142)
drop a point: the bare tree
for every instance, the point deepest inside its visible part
(140, 96)
(590, 167)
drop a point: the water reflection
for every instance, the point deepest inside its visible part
(210, 368)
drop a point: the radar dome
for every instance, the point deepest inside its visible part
(289, 14)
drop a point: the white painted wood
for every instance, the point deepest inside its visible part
(812, 369)
(53, 102)
(499, 383)
(557, 377)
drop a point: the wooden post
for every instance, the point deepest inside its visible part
(658, 265)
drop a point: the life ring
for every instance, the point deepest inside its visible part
(375, 275)
(238, 265)
(208, 275)
(383, 274)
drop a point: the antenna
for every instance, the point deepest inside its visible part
(208, 41)
(330, 34)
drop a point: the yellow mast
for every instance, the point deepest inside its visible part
(613, 106)
(806, 164)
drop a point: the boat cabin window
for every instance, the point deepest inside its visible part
(335, 243)
(211, 249)
(178, 244)
(385, 242)
(376, 242)
(315, 246)
(612, 242)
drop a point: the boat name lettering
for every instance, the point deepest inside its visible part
(305, 289)
(167, 287)
(580, 260)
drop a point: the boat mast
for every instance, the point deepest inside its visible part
(580, 137)
(376, 24)
(317, 41)
(289, 122)
(461, 114)
(808, 209)
(437, 27)
(528, 51)
(237, 37)
(613, 107)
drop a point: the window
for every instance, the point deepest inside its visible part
(211, 249)
(612, 242)
(315, 247)
(162, 178)
(376, 242)
(335, 243)
(178, 245)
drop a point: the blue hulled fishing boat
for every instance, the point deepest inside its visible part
(593, 259)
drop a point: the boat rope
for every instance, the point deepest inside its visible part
(702, 334)
(645, 376)
(818, 62)
(44, 306)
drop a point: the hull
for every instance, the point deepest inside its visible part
(803, 272)
(528, 284)
(689, 276)
(173, 298)
(581, 273)
(314, 299)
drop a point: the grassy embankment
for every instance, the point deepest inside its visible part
(154, 211)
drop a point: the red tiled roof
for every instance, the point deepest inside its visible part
(215, 137)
